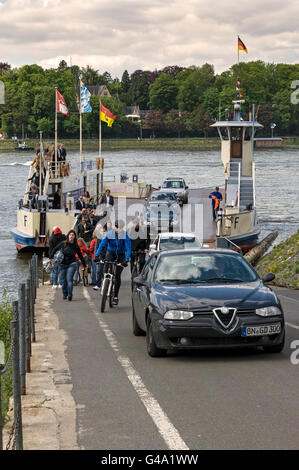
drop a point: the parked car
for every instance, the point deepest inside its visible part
(191, 299)
(174, 241)
(178, 187)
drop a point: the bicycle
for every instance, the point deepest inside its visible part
(107, 288)
(82, 275)
(136, 265)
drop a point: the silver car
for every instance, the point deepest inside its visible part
(178, 187)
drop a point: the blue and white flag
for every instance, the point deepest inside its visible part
(85, 99)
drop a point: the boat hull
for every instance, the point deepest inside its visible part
(246, 241)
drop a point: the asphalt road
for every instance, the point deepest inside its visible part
(200, 400)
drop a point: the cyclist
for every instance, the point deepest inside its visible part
(139, 243)
(118, 245)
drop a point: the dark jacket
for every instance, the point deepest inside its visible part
(69, 250)
(138, 239)
(80, 205)
(54, 241)
(104, 200)
(81, 231)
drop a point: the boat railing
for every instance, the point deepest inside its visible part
(28, 184)
(253, 177)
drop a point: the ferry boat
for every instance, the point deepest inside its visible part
(237, 224)
(36, 215)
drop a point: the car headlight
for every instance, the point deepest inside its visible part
(178, 315)
(268, 311)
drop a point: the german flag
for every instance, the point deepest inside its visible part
(107, 116)
(241, 46)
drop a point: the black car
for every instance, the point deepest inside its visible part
(191, 299)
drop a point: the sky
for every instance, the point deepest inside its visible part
(147, 34)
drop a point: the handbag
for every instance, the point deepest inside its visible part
(48, 265)
(58, 257)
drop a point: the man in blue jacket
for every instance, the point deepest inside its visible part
(118, 245)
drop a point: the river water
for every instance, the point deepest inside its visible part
(277, 193)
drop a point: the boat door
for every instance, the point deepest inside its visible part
(236, 142)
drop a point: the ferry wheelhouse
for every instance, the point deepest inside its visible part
(237, 220)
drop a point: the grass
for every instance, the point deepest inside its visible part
(6, 379)
(283, 261)
(126, 144)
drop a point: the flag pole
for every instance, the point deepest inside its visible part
(56, 132)
(100, 130)
(80, 110)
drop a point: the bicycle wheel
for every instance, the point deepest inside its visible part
(85, 277)
(111, 296)
(104, 295)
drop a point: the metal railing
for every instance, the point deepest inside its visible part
(22, 333)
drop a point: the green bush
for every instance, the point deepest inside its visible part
(6, 379)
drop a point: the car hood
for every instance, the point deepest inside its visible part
(250, 295)
(173, 190)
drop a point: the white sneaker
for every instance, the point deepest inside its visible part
(59, 286)
(54, 286)
(96, 288)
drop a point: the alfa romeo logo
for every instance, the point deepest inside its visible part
(224, 310)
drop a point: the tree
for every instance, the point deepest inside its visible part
(191, 89)
(176, 121)
(202, 121)
(162, 93)
(138, 93)
(4, 67)
(125, 82)
(154, 121)
(265, 116)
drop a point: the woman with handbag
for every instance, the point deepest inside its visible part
(69, 248)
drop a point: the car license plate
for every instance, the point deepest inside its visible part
(261, 330)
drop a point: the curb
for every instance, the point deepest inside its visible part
(48, 408)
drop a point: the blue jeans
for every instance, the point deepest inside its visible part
(68, 272)
(56, 273)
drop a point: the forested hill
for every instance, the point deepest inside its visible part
(179, 101)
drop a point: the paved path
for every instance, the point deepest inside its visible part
(202, 400)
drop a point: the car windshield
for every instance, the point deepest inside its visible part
(161, 197)
(173, 184)
(179, 243)
(189, 268)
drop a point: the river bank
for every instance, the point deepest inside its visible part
(210, 143)
(283, 261)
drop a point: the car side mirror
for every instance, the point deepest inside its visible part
(152, 247)
(187, 187)
(159, 187)
(139, 281)
(268, 277)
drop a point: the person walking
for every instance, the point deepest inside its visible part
(216, 197)
(85, 229)
(80, 204)
(69, 248)
(118, 245)
(97, 268)
(56, 238)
